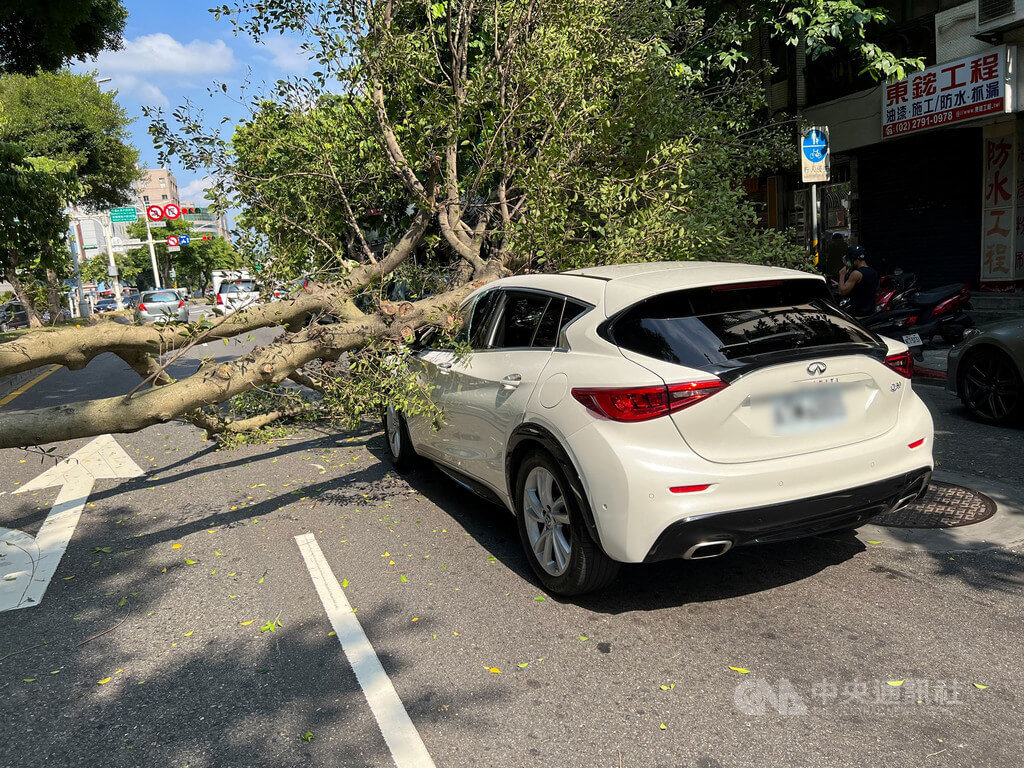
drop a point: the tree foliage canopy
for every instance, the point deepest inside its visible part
(48, 34)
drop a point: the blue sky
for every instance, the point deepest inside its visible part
(176, 51)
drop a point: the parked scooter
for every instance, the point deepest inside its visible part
(923, 315)
(895, 290)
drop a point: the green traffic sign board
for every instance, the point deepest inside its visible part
(121, 215)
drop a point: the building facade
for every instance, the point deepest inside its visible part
(927, 172)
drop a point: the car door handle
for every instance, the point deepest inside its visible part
(511, 381)
(444, 367)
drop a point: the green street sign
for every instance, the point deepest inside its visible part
(121, 215)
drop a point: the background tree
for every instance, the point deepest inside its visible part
(48, 34)
(68, 118)
(193, 264)
(460, 141)
(32, 219)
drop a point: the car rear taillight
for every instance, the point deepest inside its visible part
(741, 286)
(181, 304)
(142, 307)
(908, 320)
(903, 363)
(643, 403)
(220, 299)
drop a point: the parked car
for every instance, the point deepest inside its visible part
(641, 412)
(986, 371)
(13, 316)
(233, 295)
(106, 305)
(161, 306)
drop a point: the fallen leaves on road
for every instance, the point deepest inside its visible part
(247, 623)
(741, 670)
(493, 670)
(979, 686)
(669, 687)
(104, 681)
(895, 683)
(175, 546)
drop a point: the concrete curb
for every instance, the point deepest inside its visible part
(1004, 530)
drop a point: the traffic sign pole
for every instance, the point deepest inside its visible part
(152, 255)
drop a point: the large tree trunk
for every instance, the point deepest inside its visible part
(53, 298)
(23, 297)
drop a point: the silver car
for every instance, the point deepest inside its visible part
(161, 306)
(234, 295)
(986, 371)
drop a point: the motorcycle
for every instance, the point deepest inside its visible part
(922, 315)
(894, 291)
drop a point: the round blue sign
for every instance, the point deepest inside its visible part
(815, 145)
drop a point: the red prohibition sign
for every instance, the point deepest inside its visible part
(172, 241)
(171, 211)
(154, 213)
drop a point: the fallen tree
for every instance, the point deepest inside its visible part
(439, 146)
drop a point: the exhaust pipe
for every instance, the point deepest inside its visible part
(706, 549)
(904, 501)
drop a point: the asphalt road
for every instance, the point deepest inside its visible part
(492, 671)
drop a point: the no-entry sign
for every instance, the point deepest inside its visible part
(154, 213)
(172, 241)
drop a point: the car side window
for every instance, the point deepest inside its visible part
(520, 318)
(480, 320)
(547, 330)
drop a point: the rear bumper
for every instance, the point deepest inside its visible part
(790, 520)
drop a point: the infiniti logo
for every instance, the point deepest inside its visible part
(816, 368)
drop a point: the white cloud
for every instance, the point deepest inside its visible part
(143, 91)
(194, 191)
(161, 53)
(286, 54)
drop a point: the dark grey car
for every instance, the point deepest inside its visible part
(986, 371)
(161, 306)
(13, 316)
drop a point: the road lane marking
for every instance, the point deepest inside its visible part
(407, 748)
(30, 562)
(26, 387)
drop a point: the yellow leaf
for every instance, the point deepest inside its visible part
(415, 618)
(663, 727)
(247, 623)
(189, 633)
(895, 683)
(494, 670)
(741, 670)
(872, 542)
(979, 686)
(175, 546)
(104, 681)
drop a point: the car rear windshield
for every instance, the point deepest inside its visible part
(163, 297)
(718, 324)
(242, 286)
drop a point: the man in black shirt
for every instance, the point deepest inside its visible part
(859, 282)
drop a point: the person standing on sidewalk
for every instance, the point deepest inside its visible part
(859, 282)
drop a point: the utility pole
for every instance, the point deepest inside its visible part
(84, 310)
(108, 234)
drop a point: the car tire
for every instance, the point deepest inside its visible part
(566, 565)
(396, 440)
(990, 387)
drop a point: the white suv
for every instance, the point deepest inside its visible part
(641, 412)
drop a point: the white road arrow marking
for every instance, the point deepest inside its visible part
(27, 564)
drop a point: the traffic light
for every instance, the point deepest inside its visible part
(189, 211)
(209, 237)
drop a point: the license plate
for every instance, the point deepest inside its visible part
(913, 340)
(805, 411)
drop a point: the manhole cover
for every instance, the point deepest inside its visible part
(942, 506)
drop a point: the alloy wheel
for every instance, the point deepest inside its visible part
(393, 427)
(990, 386)
(547, 521)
